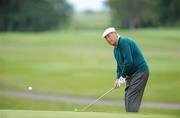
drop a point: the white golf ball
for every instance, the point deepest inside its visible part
(29, 88)
(75, 109)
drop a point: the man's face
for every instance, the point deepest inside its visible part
(111, 38)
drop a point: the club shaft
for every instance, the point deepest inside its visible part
(96, 99)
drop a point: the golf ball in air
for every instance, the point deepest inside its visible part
(75, 109)
(29, 88)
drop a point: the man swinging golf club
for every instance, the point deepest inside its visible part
(131, 68)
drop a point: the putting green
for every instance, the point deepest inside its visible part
(69, 114)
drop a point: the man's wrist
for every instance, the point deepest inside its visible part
(122, 80)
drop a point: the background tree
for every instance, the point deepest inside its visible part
(132, 13)
(144, 13)
(169, 12)
(33, 15)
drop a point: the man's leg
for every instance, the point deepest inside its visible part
(134, 91)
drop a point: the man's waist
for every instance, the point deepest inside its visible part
(143, 69)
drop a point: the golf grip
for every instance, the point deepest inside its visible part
(96, 100)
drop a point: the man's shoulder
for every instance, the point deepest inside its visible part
(124, 39)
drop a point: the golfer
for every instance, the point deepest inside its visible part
(131, 68)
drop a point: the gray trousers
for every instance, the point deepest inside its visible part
(135, 85)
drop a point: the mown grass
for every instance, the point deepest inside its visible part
(81, 63)
(11, 102)
(62, 114)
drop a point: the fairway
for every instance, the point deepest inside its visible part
(47, 61)
(69, 114)
(56, 63)
(80, 63)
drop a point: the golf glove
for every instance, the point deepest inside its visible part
(122, 80)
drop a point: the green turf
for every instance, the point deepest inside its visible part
(67, 114)
(81, 63)
(31, 104)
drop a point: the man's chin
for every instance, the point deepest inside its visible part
(113, 44)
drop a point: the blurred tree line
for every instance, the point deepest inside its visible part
(33, 15)
(42, 15)
(144, 13)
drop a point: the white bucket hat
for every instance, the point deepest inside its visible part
(107, 31)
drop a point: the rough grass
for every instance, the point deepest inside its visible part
(88, 21)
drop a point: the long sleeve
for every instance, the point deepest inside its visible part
(127, 57)
(118, 72)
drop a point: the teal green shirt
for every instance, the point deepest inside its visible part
(129, 58)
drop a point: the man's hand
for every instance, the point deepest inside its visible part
(117, 84)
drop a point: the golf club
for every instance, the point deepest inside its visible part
(97, 99)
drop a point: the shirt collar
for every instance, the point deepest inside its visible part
(117, 41)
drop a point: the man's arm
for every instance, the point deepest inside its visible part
(127, 56)
(118, 72)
